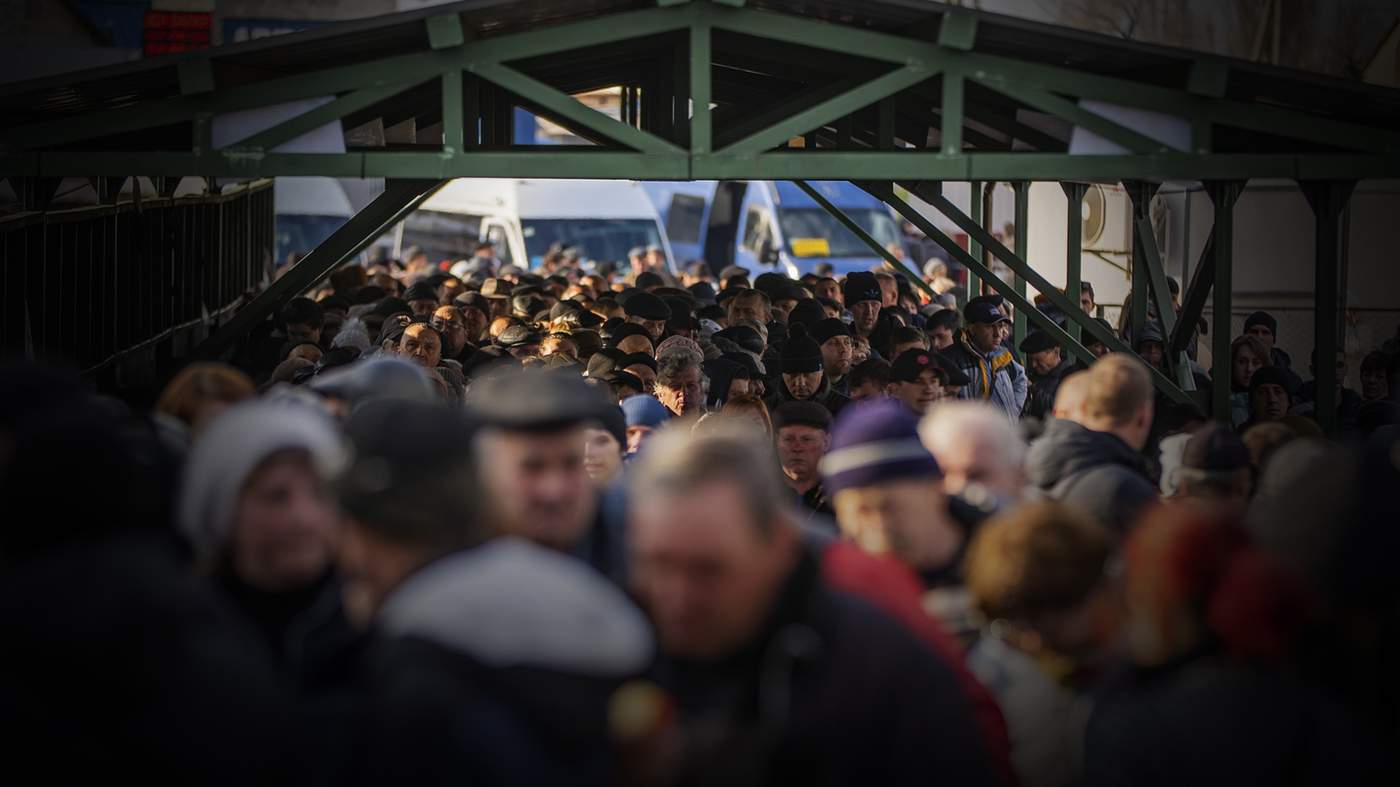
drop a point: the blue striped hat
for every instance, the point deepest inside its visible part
(874, 442)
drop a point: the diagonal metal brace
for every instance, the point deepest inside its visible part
(1052, 293)
(399, 198)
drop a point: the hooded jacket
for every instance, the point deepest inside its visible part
(496, 664)
(1094, 471)
(996, 377)
(825, 396)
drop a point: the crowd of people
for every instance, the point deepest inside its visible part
(477, 524)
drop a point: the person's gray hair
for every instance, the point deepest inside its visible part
(951, 422)
(679, 460)
(672, 361)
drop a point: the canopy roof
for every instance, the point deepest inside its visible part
(849, 89)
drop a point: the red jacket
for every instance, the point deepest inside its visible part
(894, 588)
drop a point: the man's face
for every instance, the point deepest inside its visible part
(645, 374)
(636, 435)
(828, 288)
(703, 571)
(985, 336)
(475, 322)
(941, 337)
(782, 308)
(800, 450)
(1373, 383)
(656, 258)
(1263, 334)
(1151, 353)
(448, 322)
(1269, 402)
(1099, 349)
(1245, 365)
(889, 292)
(1086, 302)
(747, 307)
(836, 356)
(421, 343)
(602, 456)
(866, 390)
(922, 393)
(537, 484)
(303, 331)
(686, 396)
(1045, 361)
(966, 462)
(737, 388)
(802, 386)
(423, 307)
(449, 289)
(635, 344)
(906, 517)
(864, 315)
(286, 527)
(654, 328)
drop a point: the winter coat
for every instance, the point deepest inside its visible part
(890, 585)
(1045, 721)
(995, 377)
(1210, 721)
(831, 691)
(1040, 400)
(306, 630)
(1094, 471)
(825, 396)
(118, 660)
(496, 664)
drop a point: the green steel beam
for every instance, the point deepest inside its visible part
(1328, 199)
(1052, 293)
(865, 237)
(830, 110)
(1071, 112)
(1008, 292)
(444, 31)
(1074, 246)
(701, 119)
(958, 30)
(1021, 189)
(975, 285)
(196, 76)
(454, 124)
(572, 110)
(1194, 296)
(1223, 194)
(951, 117)
(308, 121)
(824, 35)
(398, 199)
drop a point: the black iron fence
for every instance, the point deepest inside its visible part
(93, 285)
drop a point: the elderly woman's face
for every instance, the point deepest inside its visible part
(286, 528)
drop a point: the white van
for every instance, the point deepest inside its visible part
(604, 218)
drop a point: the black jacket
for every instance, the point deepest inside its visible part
(1040, 401)
(1095, 471)
(496, 665)
(1212, 721)
(831, 692)
(117, 660)
(825, 396)
(306, 630)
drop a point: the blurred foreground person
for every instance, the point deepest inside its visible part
(771, 668)
(1040, 578)
(117, 660)
(493, 659)
(1215, 696)
(194, 397)
(1095, 463)
(531, 449)
(980, 453)
(255, 507)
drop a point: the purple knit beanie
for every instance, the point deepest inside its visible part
(874, 442)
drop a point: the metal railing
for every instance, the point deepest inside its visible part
(90, 285)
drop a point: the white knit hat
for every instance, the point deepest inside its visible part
(232, 447)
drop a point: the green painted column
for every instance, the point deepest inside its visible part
(1022, 190)
(1223, 194)
(974, 249)
(1074, 245)
(1327, 198)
